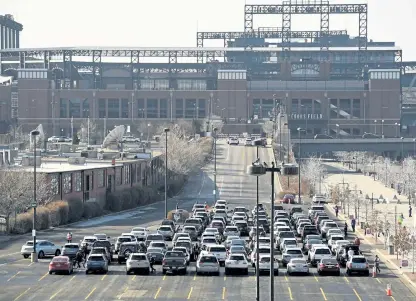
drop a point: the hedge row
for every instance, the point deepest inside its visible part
(63, 212)
(293, 187)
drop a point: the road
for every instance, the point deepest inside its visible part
(21, 280)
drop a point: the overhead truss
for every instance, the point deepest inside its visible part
(323, 8)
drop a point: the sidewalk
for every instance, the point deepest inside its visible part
(374, 189)
(378, 249)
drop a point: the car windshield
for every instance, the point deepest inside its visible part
(294, 252)
(158, 244)
(329, 261)
(89, 239)
(95, 258)
(217, 249)
(208, 259)
(237, 257)
(231, 229)
(264, 251)
(71, 247)
(359, 260)
(237, 249)
(124, 239)
(138, 257)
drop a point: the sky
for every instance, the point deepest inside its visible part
(165, 23)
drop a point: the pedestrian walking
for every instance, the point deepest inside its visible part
(336, 211)
(345, 229)
(410, 211)
(152, 262)
(69, 237)
(353, 224)
(377, 263)
(79, 258)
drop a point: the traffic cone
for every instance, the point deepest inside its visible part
(388, 291)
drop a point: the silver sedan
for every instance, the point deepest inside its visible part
(298, 266)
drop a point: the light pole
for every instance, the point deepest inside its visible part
(375, 127)
(337, 125)
(258, 235)
(397, 129)
(34, 257)
(382, 128)
(257, 169)
(401, 138)
(171, 104)
(148, 130)
(300, 130)
(166, 130)
(215, 164)
(414, 147)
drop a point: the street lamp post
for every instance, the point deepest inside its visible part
(382, 128)
(375, 127)
(215, 165)
(337, 133)
(34, 256)
(257, 169)
(397, 128)
(166, 130)
(402, 155)
(171, 104)
(257, 236)
(300, 130)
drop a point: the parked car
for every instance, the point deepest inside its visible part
(358, 264)
(43, 248)
(61, 264)
(137, 262)
(329, 266)
(174, 262)
(70, 250)
(96, 263)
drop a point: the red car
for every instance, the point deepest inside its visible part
(288, 199)
(61, 264)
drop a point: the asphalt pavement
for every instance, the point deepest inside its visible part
(21, 280)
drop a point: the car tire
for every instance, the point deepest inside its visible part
(87, 272)
(338, 274)
(164, 272)
(319, 273)
(217, 273)
(41, 254)
(127, 272)
(367, 273)
(25, 256)
(348, 272)
(57, 252)
(147, 272)
(226, 271)
(50, 273)
(289, 273)
(246, 272)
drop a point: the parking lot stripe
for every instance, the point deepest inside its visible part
(316, 278)
(195, 277)
(379, 281)
(72, 278)
(346, 279)
(223, 293)
(392, 298)
(18, 297)
(287, 279)
(134, 277)
(157, 293)
(290, 293)
(13, 276)
(190, 293)
(54, 295)
(46, 274)
(225, 278)
(323, 294)
(358, 296)
(89, 295)
(164, 277)
(119, 298)
(102, 278)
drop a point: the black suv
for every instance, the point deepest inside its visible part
(104, 244)
(126, 249)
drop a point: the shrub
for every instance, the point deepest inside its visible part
(126, 200)
(185, 215)
(92, 209)
(293, 187)
(58, 213)
(75, 210)
(23, 223)
(113, 202)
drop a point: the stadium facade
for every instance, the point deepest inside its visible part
(327, 81)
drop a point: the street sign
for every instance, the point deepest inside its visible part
(214, 192)
(404, 263)
(33, 233)
(34, 204)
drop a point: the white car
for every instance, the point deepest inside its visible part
(338, 245)
(221, 202)
(219, 251)
(331, 232)
(102, 236)
(263, 241)
(140, 232)
(239, 213)
(185, 251)
(297, 265)
(288, 242)
(159, 244)
(43, 248)
(233, 141)
(290, 253)
(207, 242)
(247, 142)
(229, 239)
(236, 262)
(133, 238)
(137, 262)
(264, 264)
(317, 253)
(212, 230)
(88, 241)
(231, 231)
(262, 250)
(166, 231)
(334, 238)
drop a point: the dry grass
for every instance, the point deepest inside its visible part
(293, 187)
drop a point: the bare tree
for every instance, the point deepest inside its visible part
(88, 129)
(402, 241)
(16, 193)
(407, 177)
(313, 171)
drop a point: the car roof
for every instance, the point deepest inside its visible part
(241, 254)
(320, 246)
(90, 237)
(295, 248)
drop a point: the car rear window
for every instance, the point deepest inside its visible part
(290, 242)
(138, 257)
(189, 228)
(209, 240)
(286, 234)
(165, 228)
(89, 240)
(315, 242)
(237, 249)
(217, 224)
(265, 259)
(98, 251)
(264, 240)
(60, 259)
(217, 249)
(294, 252)
(264, 251)
(209, 259)
(317, 208)
(359, 260)
(96, 258)
(331, 225)
(124, 239)
(183, 244)
(237, 257)
(298, 261)
(322, 251)
(329, 261)
(71, 247)
(231, 229)
(154, 237)
(174, 254)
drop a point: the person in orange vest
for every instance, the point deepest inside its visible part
(69, 237)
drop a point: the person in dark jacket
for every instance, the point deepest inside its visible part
(79, 258)
(152, 262)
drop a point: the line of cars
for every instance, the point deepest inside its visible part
(248, 141)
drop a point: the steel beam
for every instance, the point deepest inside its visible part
(325, 29)
(286, 28)
(362, 36)
(199, 44)
(46, 60)
(67, 56)
(97, 69)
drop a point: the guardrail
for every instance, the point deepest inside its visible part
(343, 141)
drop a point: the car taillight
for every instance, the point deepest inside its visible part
(164, 261)
(337, 265)
(309, 246)
(366, 265)
(321, 265)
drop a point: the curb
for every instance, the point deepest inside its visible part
(398, 270)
